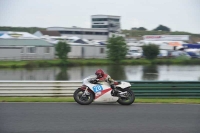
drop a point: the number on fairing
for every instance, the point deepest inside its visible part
(97, 88)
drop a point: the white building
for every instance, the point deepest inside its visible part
(166, 37)
(44, 33)
(111, 23)
(24, 46)
(83, 33)
(87, 51)
(102, 27)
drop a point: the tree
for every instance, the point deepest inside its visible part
(150, 51)
(23, 29)
(134, 28)
(162, 28)
(62, 49)
(117, 48)
(142, 28)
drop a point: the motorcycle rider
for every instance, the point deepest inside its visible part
(103, 77)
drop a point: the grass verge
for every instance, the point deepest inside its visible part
(70, 99)
(79, 62)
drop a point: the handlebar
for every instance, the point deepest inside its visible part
(94, 81)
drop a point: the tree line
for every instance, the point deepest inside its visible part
(21, 29)
(159, 28)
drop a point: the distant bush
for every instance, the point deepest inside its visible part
(62, 49)
(117, 49)
(162, 28)
(150, 51)
(21, 29)
(137, 33)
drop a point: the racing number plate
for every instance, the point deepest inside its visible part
(97, 88)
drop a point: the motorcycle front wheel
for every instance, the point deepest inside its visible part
(129, 99)
(83, 99)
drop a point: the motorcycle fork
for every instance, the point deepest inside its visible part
(86, 92)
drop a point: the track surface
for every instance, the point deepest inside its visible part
(98, 118)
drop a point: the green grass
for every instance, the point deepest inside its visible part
(166, 100)
(79, 62)
(70, 99)
(36, 99)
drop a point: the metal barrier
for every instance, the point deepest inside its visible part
(145, 89)
(38, 88)
(162, 89)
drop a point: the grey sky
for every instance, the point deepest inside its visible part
(179, 15)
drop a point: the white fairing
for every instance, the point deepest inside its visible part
(102, 91)
(124, 85)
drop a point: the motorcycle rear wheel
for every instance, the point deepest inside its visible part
(83, 100)
(128, 100)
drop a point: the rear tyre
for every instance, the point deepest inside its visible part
(83, 100)
(127, 100)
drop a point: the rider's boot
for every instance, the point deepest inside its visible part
(115, 91)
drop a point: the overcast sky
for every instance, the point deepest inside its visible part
(179, 15)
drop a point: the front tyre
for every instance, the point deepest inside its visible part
(83, 99)
(127, 100)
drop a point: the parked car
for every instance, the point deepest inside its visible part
(180, 54)
(135, 55)
(162, 54)
(193, 55)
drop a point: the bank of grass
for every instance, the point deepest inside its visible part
(79, 62)
(70, 99)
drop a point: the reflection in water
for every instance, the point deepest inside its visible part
(150, 72)
(116, 72)
(127, 72)
(62, 75)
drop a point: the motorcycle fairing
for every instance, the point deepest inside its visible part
(102, 92)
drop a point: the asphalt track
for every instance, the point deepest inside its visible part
(99, 118)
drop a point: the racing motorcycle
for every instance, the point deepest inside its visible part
(94, 91)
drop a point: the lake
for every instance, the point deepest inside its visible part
(127, 72)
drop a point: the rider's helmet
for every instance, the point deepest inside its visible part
(99, 73)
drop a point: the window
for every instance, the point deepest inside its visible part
(99, 19)
(65, 32)
(101, 50)
(78, 32)
(98, 23)
(89, 33)
(105, 33)
(31, 49)
(46, 49)
(114, 19)
(69, 32)
(61, 32)
(99, 26)
(98, 33)
(101, 33)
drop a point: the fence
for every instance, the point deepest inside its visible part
(27, 57)
(145, 89)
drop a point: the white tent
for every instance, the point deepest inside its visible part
(21, 35)
(5, 36)
(73, 38)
